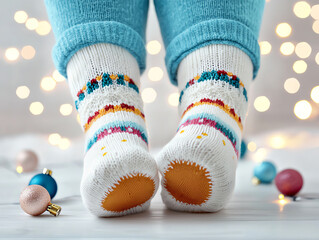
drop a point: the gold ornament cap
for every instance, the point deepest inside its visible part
(255, 181)
(47, 171)
(54, 209)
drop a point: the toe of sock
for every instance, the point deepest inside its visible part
(197, 176)
(188, 182)
(129, 192)
(121, 183)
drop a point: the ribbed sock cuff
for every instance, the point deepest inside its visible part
(217, 31)
(84, 35)
(215, 57)
(89, 62)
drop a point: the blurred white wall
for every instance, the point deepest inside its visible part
(162, 118)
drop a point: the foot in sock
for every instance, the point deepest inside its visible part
(119, 176)
(198, 165)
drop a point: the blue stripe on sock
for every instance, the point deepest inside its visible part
(123, 125)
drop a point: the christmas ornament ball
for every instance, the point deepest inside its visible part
(27, 160)
(243, 149)
(265, 172)
(34, 200)
(289, 182)
(47, 181)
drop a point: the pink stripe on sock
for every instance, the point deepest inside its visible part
(106, 132)
(210, 123)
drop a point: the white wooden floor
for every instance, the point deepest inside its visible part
(253, 213)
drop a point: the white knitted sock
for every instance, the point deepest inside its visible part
(120, 176)
(198, 165)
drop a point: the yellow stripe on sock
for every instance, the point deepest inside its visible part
(225, 108)
(117, 108)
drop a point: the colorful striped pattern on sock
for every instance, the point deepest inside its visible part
(219, 103)
(112, 109)
(213, 121)
(104, 80)
(118, 127)
(219, 75)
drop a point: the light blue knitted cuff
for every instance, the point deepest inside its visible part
(83, 35)
(216, 31)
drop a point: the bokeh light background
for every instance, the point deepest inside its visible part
(37, 111)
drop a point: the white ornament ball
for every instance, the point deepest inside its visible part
(26, 161)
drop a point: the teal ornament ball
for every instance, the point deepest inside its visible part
(265, 172)
(243, 149)
(47, 181)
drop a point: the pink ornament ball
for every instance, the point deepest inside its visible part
(34, 200)
(289, 182)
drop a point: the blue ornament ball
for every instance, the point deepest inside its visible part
(243, 149)
(265, 172)
(47, 181)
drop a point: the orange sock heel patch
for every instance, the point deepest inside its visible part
(188, 182)
(129, 192)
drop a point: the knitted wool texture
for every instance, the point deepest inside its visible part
(198, 165)
(120, 176)
(78, 23)
(188, 25)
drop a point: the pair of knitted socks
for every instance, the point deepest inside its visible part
(197, 166)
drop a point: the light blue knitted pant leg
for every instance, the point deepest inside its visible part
(187, 25)
(80, 23)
